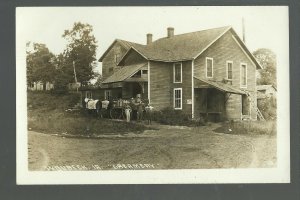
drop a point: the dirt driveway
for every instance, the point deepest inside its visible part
(167, 148)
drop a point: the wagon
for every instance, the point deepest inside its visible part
(117, 110)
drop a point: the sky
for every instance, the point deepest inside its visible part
(265, 27)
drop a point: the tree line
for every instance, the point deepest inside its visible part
(80, 53)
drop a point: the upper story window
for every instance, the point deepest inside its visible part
(209, 67)
(177, 71)
(177, 98)
(144, 71)
(117, 58)
(243, 75)
(229, 66)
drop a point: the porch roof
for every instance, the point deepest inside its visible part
(201, 83)
(124, 73)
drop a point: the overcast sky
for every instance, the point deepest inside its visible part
(266, 27)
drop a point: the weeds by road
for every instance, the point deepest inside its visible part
(47, 113)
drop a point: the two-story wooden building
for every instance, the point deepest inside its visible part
(208, 73)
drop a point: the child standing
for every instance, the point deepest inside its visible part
(127, 112)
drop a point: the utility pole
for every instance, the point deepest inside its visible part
(75, 75)
(244, 35)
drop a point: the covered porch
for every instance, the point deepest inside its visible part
(129, 81)
(213, 100)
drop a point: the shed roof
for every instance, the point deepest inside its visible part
(264, 87)
(199, 83)
(124, 73)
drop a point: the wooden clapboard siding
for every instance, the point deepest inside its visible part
(134, 58)
(162, 86)
(186, 86)
(109, 62)
(226, 49)
(161, 91)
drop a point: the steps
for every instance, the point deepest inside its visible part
(258, 113)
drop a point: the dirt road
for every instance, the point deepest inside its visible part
(166, 148)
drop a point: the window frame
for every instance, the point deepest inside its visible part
(227, 74)
(174, 80)
(117, 57)
(144, 70)
(174, 99)
(90, 94)
(105, 95)
(212, 67)
(246, 76)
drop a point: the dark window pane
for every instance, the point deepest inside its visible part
(177, 71)
(209, 67)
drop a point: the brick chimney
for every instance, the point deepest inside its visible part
(170, 32)
(149, 38)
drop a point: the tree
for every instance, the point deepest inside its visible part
(99, 80)
(81, 51)
(39, 63)
(267, 59)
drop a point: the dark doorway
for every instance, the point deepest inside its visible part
(245, 105)
(136, 89)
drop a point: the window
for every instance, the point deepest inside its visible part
(144, 71)
(209, 67)
(117, 58)
(243, 75)
(88, 94)
(229, 70)
(107, 95)
(177, 69)
(177, 98)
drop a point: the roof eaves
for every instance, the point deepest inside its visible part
(244, 48)
(215, 85)
(121, 42)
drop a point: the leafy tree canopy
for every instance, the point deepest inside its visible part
(40, 63)
(81, 50)
(267, 59)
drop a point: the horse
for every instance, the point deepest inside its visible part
(97, 107)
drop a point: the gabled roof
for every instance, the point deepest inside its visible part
(187, 46)
(218, 85)
(181, 47)
(126, 44)
(124, 73)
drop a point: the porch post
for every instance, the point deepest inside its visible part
(193, 90)
(149, 81)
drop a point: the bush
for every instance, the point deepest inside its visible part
(46, 100)
(268, 108)
(248, 127)
(169, 116)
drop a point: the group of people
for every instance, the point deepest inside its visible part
(137, 107)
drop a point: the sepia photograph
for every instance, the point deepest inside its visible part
(152, 95)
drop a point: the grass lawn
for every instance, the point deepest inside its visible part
(47, 113)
